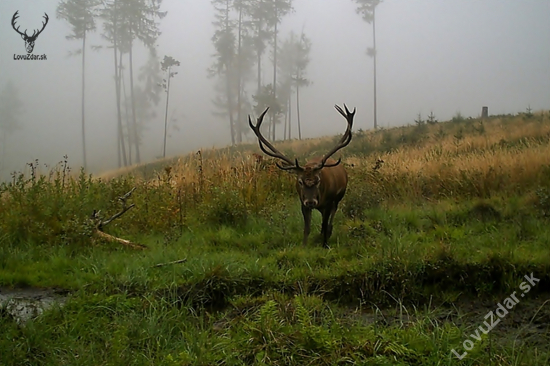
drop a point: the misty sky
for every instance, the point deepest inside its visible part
(445, 56)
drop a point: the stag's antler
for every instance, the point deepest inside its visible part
(273, 152)
(344, 141)
(34, 35)
(15, 16)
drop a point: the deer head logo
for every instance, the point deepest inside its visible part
(29, 40)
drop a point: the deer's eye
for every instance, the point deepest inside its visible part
(301, 182)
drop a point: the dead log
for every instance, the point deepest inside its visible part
(100, 224)
(169, 263)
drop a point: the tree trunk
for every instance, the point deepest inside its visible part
(121, 145)
(239, 81)
(83, 88)
(374, 46)
(120, 136)
(127, 113)
(228, 82)
(229, 104)
(166, 111)
(259, 55)
(290, 115)
(134, 122)
(298, 110)
(286, 121)
(274, 118)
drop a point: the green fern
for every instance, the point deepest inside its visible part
(302, 314)
(268, 315)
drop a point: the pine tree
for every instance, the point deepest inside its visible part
(112, 30)
(302, 61)
(166, 66)
(277, 10)
(366, 8)
(80, 14)
(224, 61)
(138, 21)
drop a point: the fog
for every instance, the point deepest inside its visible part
(443, 56)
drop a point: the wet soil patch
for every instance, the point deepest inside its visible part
(526, 324)
(23, 304)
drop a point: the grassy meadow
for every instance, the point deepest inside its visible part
(440, 223)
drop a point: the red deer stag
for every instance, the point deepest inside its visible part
(321, 183)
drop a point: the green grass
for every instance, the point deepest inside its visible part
(125, 311)
(413, 266)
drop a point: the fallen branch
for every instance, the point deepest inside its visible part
(100, 224)
(114, 239)
(169, 263)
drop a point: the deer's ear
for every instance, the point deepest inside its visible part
(23, 36)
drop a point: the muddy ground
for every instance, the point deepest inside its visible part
(26, 303)
(526, 324)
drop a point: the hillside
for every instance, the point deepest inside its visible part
(427, 242)
(459, 158)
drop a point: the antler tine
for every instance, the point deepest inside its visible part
(349, 117)
(292, 167)
(13, 19)
(263, 141)
(344, 141)
(43, 24)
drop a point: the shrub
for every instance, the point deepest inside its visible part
(543, 201)
(225, 207)
(458, 118)
(431, 119)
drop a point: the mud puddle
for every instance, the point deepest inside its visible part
(28, 303)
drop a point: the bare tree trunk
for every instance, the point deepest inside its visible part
(239, 77)
(290, 115)
(83, 88)
(166, 111)
(121, 146)
(228, 83)
(274, 70)
(259, 56)
(286, 121)
(374, 46)
(127, 114)
(259, 61)
(298, 110)
(134, 122)
(230, 105)
(120, 138)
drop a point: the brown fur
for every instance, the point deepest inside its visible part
(332, 183)
(321, 183)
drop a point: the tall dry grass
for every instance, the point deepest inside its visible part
(479, 158)
(474, 158)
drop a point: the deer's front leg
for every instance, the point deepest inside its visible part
(306, 212)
